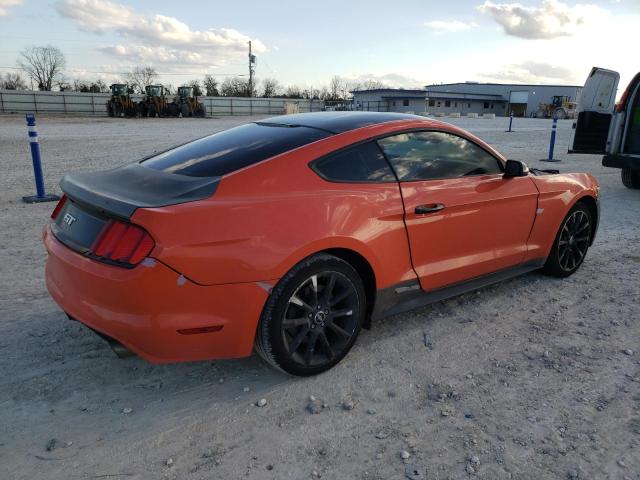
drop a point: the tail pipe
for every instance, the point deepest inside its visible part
(119, 349)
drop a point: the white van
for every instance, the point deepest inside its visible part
(602, 127)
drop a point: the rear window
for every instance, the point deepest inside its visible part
(233, 149)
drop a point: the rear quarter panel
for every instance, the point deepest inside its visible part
(558, 194)
(264, 219)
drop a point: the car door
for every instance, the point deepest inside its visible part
(463, 219)
(595, 128)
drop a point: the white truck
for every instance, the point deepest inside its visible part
(604, 127)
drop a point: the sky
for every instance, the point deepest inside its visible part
(405, 43)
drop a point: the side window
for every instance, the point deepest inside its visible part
(362, 163)
(434, 155)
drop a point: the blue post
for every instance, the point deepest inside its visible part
(552, 143)
(40, 196)
(510, 122)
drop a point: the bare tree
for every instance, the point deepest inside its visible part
(99, 86)
(336, 86)
(293, 91)
(323, 93)
(270, 87)
(90, 87)
(197, 89)
(79, 86)
(211, 86)
(13, 81)
(236, 87)
(42, 64)
(370, 84)
(140, 77)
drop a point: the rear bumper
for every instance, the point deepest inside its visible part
(144, 307)
(621, 161)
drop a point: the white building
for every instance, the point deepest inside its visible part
(464, 98)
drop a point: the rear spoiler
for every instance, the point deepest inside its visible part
(121, 191)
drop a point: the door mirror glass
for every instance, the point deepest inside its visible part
(515, 168)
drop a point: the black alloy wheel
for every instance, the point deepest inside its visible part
(312, 317)
(320, 318)
(571, 244)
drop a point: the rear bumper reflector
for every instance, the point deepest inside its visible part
(195, 331)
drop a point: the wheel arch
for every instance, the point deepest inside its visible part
(592, 204)
(364, 269)
(352, 252)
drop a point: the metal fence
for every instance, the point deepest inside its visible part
(76, 103)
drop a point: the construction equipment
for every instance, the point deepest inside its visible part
(561, 108)
(154, 103)
(120, 103)
(185, 104)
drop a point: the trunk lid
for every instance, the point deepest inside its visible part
(121, 191)
(94, 199)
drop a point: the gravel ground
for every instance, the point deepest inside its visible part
(534, 378)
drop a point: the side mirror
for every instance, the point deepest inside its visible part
(515, 168)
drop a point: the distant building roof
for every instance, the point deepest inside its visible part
(465, 96)
(404, 97)
(500, 84)
(399, 90)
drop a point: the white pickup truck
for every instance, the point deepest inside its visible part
(604, 127)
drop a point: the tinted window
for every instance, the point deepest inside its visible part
(362, 163)
(233, 149)
(432, 155)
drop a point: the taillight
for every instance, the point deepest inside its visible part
(122, 243)
(59, 206)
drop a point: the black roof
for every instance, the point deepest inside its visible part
(336, 122)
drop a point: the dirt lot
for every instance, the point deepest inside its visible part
(527, 379)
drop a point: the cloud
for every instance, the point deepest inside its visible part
(441, 26)
(388, 80)
(157, 38)
(533, 72)
(5, 5)
(552, 19)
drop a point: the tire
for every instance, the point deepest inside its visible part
(302, 330)
(172, 109)
(630, 178)
(560, 114)
(571, 243)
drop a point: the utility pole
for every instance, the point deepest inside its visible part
(252, 69)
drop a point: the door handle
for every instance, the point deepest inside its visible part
(429, 208)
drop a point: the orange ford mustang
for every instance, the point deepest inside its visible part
(291, 234)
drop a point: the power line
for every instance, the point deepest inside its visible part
(157, 73)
